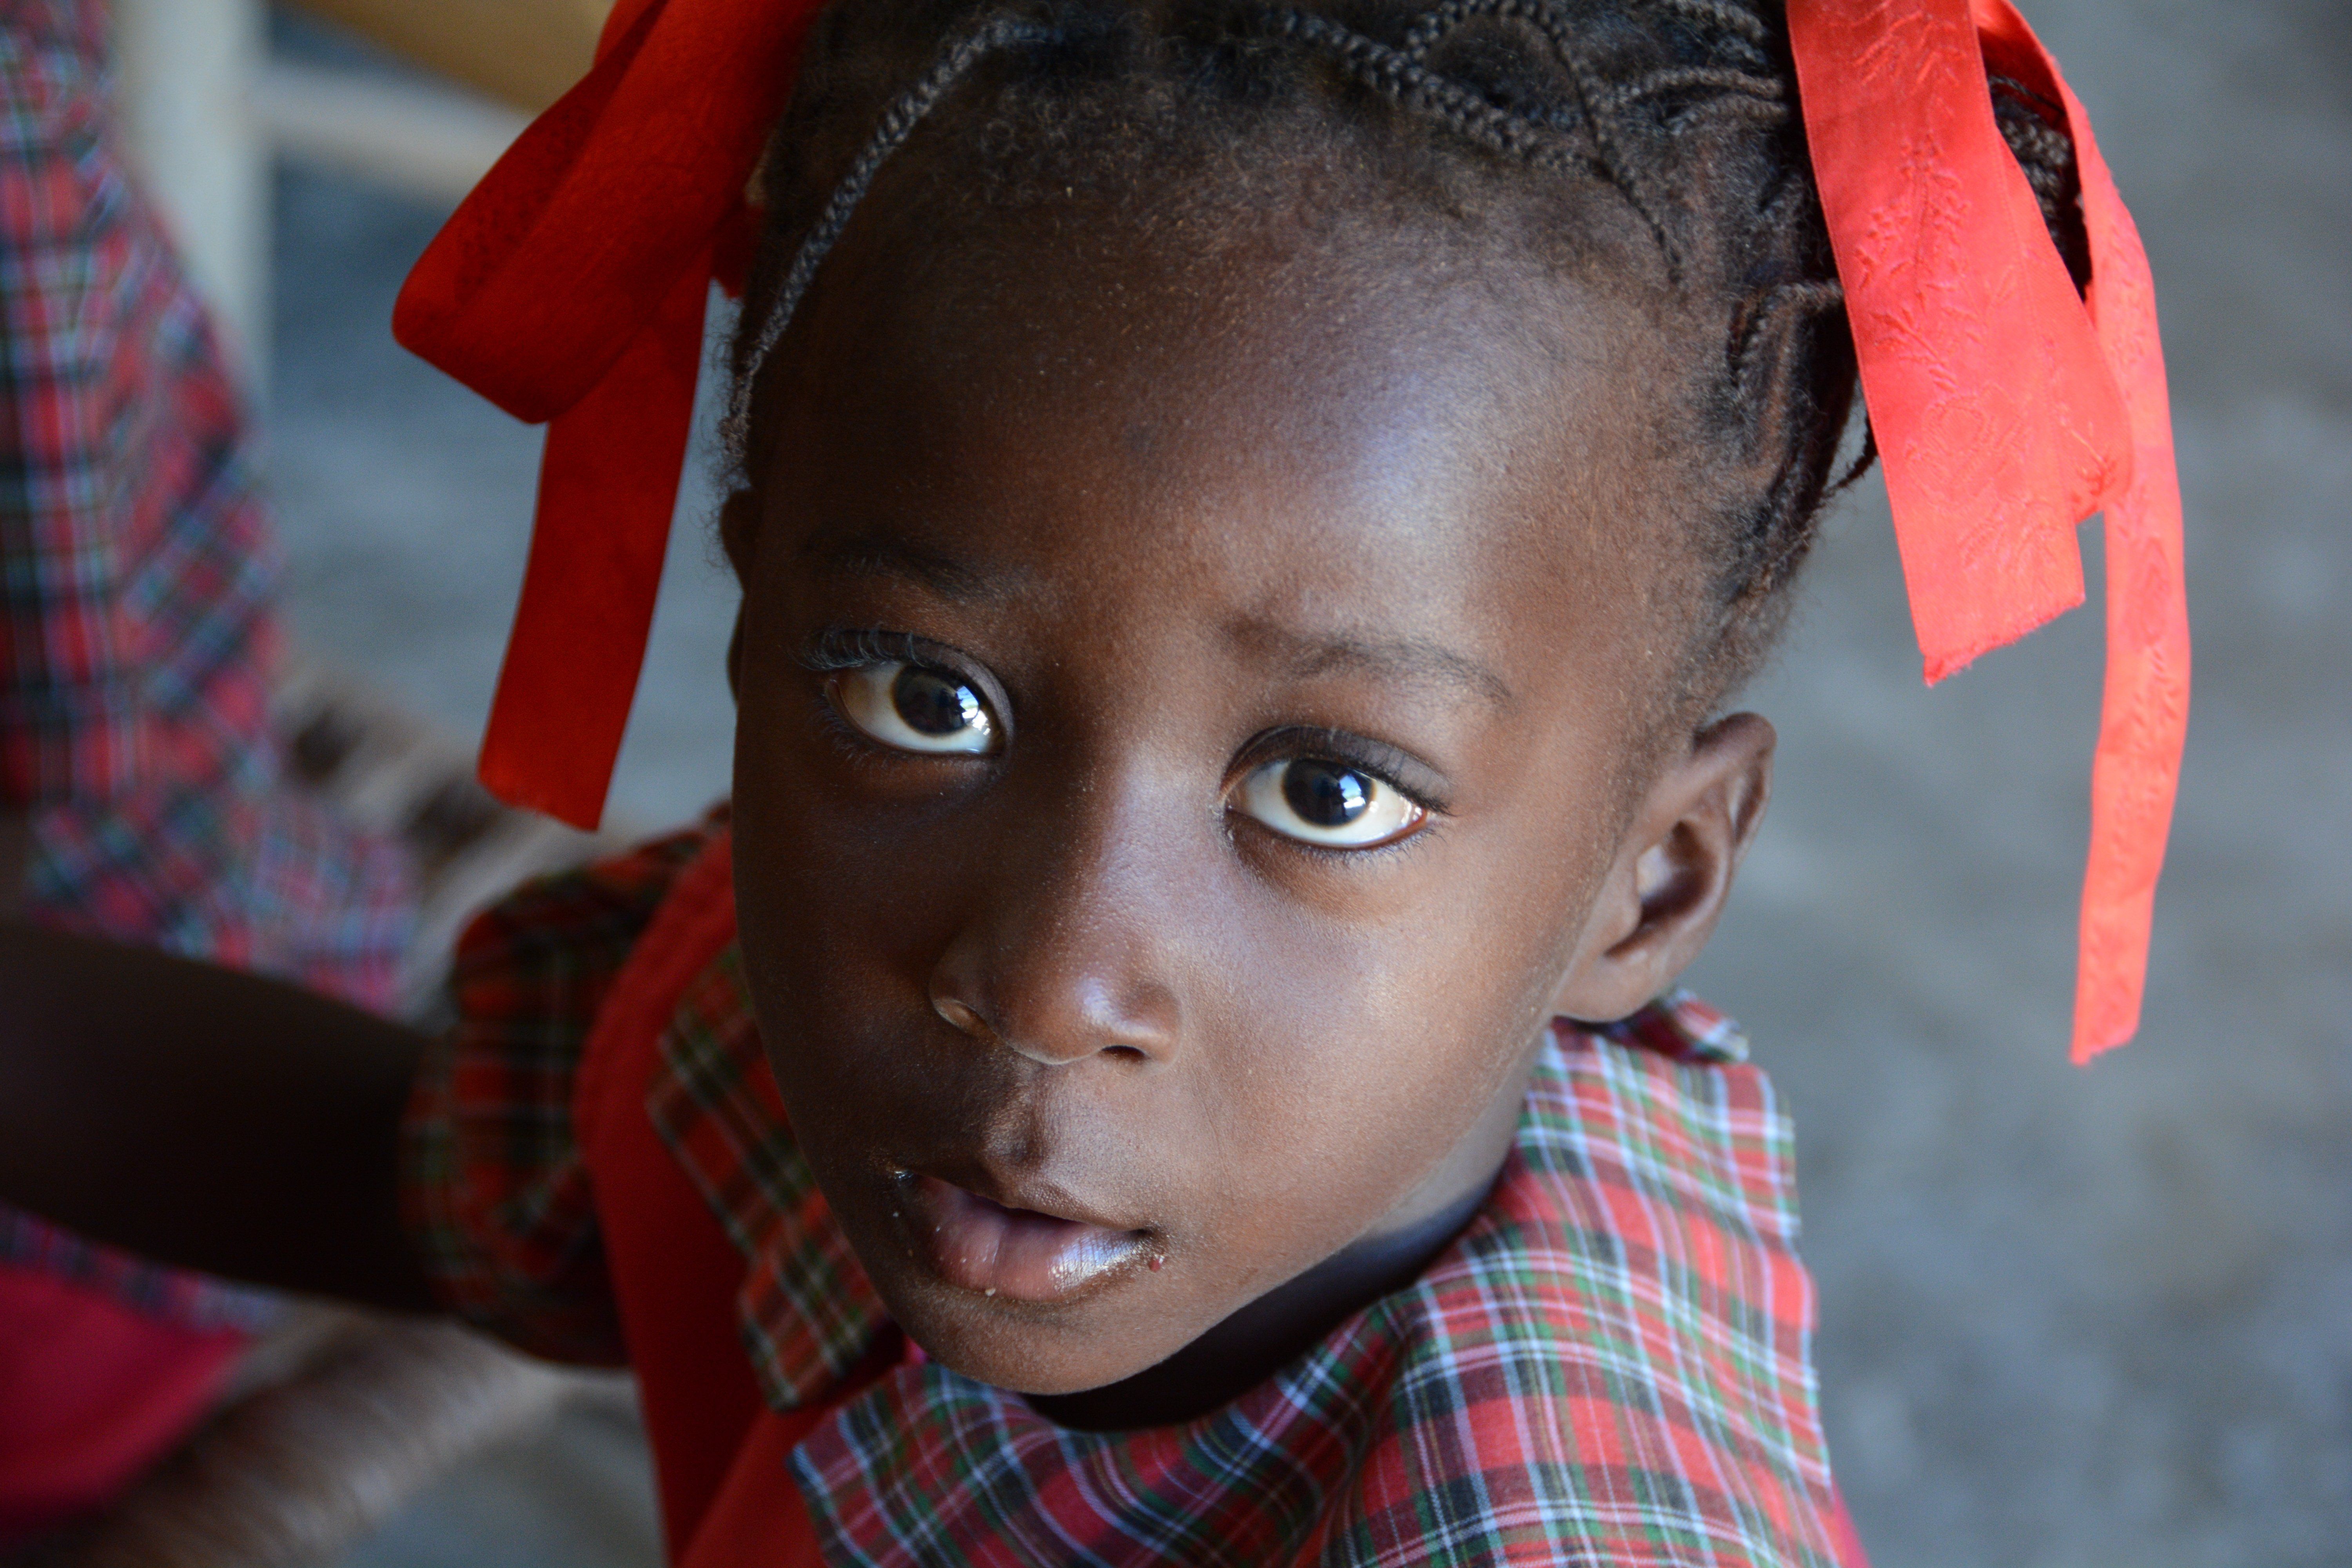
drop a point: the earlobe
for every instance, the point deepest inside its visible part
(738, 531)
(1672, 872)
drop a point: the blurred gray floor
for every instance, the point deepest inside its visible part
(2091, 1318)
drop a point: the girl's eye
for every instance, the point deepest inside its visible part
(915, 707)
(1318, 801)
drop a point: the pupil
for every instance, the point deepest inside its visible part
(1325, 794)
(934, 703)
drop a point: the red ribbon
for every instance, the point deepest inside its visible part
(570, 288)
(2007, 410)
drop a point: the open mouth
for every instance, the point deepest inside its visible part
(977, 1243)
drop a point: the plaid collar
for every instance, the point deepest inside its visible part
(808, 1311)
(1610, 1364)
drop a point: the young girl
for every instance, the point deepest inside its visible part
(1250, 518)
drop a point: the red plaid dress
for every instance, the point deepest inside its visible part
(1609, 1366)
(137, 574)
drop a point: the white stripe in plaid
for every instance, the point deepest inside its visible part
(1610, 1366)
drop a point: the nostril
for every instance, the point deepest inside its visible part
(1064, 1035)
(960, 1017)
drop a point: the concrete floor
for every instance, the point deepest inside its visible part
(2096, 1317)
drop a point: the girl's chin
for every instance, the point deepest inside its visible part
(1006, 1347)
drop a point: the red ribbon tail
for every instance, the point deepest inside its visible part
(607, 489)
(2143, 725)
(2143, 715)
(2007, 408)
(1998, 425)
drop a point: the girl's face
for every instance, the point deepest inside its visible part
(1189, 738)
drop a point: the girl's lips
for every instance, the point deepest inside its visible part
(979, 1245)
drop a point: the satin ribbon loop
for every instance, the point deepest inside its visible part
(575, 239)
(569, 288)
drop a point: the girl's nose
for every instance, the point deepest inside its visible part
(1053, 1034)
(1070, 952)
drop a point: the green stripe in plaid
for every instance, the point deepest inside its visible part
(808, 1313)
(1610, 1366)
(493, 1190)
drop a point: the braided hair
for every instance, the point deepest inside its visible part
(1510, 122)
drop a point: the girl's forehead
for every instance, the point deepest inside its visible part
(1427, 460)
(1280, 352)
(1117, 268)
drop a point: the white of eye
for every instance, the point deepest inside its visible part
(1318, 801)
(915, 707)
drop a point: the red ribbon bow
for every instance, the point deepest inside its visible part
(570, 288)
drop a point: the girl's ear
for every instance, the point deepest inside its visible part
(1663, 895)
(738, 531)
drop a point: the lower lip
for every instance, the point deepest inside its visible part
(1019, 1253)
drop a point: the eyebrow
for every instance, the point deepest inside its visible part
(1404, 658)
(888, 556)
(1305, 654)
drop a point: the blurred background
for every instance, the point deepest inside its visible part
(2069, 1317)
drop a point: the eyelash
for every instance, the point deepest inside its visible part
(837, 648)
(1412, 843)
(1375, 759)
(832, 649)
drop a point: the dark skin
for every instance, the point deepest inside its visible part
(15, 855)
(205, 1117)
(1271, 518)
(1176, 526)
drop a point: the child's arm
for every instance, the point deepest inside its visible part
(205, 1117)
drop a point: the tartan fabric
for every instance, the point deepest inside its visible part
(493, 1191)
(1610, 1366)
(808, 1313)
(138, 570)
(137, 574)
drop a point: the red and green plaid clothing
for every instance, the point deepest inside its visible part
(138, 571)
(138, 576)
(1609, 1366)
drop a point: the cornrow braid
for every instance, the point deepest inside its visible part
(2028, 123)
(1398, 75)
(1404, 76)
(1467, 118)
(898, 123)
(1737, 23)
